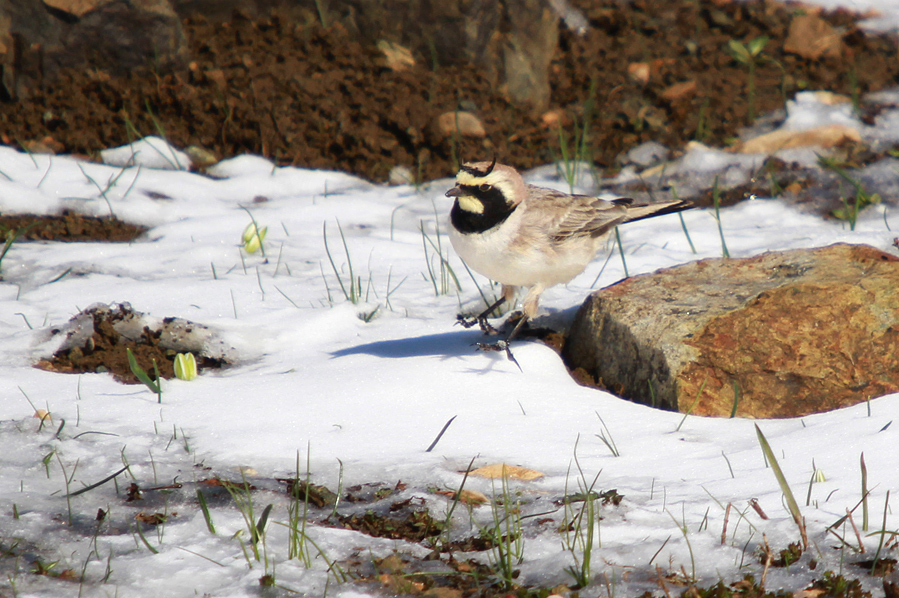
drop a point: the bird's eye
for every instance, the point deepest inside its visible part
(484, 188)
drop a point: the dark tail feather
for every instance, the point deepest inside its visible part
(639, 212)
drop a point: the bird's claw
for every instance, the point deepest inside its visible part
(471, 321)
(489, 347)
(466, 321)
(499, 346)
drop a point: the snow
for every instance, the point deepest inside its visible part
(806, 112)
(312, 378)
(152, 152)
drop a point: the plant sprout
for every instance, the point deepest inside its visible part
(185, 366)
(748, 54)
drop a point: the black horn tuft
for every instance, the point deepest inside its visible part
(470, 169)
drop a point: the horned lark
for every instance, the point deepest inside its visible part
(525, 236)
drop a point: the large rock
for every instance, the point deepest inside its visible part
(789, 333)
(38, 37)
(513, 41)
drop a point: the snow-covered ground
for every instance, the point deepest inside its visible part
(314, 379)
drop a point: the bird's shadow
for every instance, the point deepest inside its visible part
(445, 345)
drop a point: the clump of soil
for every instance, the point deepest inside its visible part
(70, 226)
(414, 526)
(317, 97)
(94, 342)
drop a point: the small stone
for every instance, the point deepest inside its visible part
(200, 157)
(828, 98)
(812, 37)
(47, 145)
(639, 72)
(553, 119)
(217, 76)
(679, 91)
(648, 153)
(401, 175)
(461, 123)
(397, 57)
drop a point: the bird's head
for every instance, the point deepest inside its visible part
(485, 187)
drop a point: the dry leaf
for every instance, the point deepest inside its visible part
(68, 575)
(808, 593)
(154, 519)
(513, 472)
(468, 497)
(43, 414)
(769, 143)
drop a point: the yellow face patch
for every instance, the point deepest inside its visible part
(466, 178)
(497, 179)
(470, 204)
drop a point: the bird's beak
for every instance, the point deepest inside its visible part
(454, 192)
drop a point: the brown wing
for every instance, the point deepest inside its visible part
(563, 216)
(582, 215)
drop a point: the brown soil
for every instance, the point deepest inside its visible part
(69, 226)
(315, 97)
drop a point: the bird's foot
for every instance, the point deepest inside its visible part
(470, 321)
(499, 346)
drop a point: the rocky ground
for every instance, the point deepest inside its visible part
(314, 96)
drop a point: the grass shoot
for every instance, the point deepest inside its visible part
(580, 527)
(748, 54)
(792, 505)
(155, 386)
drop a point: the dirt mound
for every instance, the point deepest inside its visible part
(99, 338)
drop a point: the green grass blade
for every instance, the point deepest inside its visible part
(140, 373)
(792, 505)
(259, 529)
(205, 508)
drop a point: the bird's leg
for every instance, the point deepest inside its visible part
(529, 310)
(504, 345)
(481, 319)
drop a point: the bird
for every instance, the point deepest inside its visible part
(521, 235)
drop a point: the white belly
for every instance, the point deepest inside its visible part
(493, 255)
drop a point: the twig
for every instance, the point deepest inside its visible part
(861, 546)
(724, 529)
(768, 560)
(440, 435)
(100, 483)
